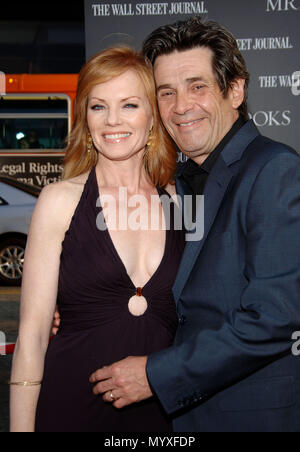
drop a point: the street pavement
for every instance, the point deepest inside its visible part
(9, 322)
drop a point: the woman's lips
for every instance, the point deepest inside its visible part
(116, 137)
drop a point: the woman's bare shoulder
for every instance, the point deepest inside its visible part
(61, 198)
(66, 189)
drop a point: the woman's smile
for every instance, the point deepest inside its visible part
(116, 138)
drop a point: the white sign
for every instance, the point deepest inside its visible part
(2, 344)
(2, 84)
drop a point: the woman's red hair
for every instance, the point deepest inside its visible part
(160, 157)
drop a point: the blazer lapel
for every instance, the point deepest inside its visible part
(214, 193)
(215, 190)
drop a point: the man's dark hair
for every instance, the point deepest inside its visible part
(228, 62)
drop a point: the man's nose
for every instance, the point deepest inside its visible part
(183, 104)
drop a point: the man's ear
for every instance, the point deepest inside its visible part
(237, 92)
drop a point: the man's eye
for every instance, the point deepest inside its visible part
(167, 94)
(198, 87)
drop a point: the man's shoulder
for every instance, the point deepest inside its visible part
(263, 150)
(268, 144)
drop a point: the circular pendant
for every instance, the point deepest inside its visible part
(138, 304)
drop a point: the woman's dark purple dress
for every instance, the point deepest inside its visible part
(97, 328)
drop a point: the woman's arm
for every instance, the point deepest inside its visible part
(38, 300)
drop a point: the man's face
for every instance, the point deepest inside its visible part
(192, 107)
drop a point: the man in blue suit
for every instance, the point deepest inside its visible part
(231, 368)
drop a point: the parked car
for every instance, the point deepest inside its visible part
(17, 202)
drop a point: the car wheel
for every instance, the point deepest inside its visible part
(12, 251)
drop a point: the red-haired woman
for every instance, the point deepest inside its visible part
(113, 285)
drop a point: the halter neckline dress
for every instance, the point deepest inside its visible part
(97, 328)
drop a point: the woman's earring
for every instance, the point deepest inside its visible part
(89, 143)
(150, 139)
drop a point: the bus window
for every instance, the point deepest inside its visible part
(33, 133)
(33, 123)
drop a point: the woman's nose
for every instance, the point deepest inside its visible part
(113, 117)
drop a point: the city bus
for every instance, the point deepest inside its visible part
(36, 114)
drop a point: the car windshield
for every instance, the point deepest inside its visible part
(30, 189)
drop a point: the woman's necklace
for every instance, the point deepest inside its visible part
(138, 304)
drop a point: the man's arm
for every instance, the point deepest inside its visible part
(260, 331)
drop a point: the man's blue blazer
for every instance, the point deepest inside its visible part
(231, 368)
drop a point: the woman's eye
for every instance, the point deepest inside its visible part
(97, 107)
(129, 106)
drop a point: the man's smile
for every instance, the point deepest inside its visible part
(189, 124)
